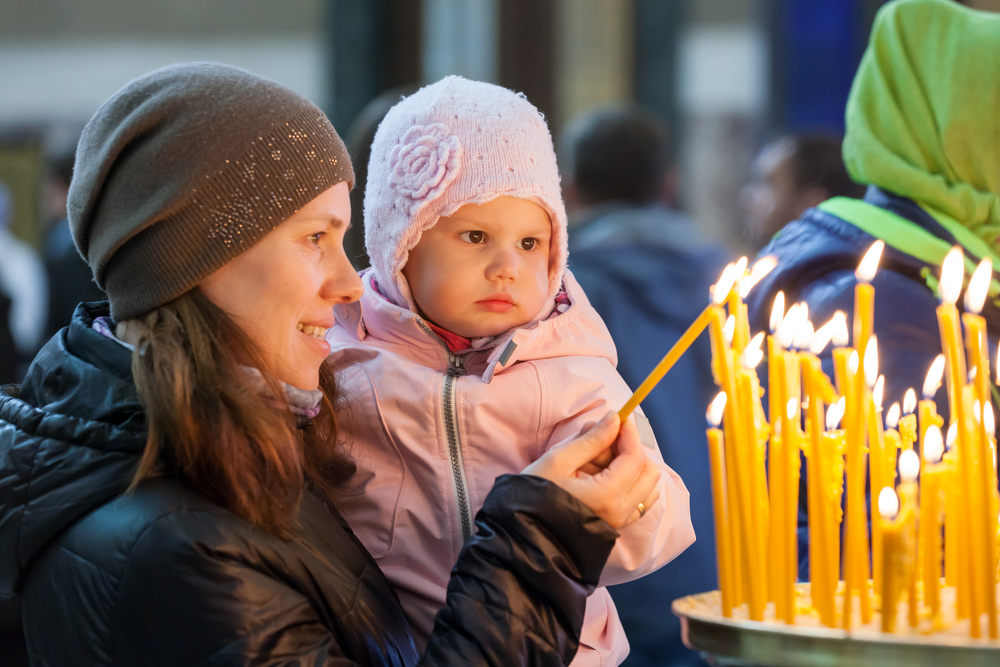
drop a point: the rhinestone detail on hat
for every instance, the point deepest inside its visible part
(278, 174)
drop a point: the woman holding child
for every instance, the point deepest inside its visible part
(168, 470)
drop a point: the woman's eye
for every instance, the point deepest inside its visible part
(315, 238)
(528, 244)
(473, 237)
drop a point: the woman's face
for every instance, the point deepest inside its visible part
(281, 292)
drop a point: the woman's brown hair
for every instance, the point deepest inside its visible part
(212, 427)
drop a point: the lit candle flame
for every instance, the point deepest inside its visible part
(840, 335)
(933, 444)
(909, 465)
(888, 503)
(835, 413)
(786, 330)
(760, 268)
(934, 375)
(741, 268)
(869, 263)
(721, 289)
(989, 420)
(878, 391)
(952, 435)
(852, 363)
(803, 335)
(777, 312)
(979, 285)
(752, 354)
(909, 401)
(715, 409)
(729, 329)
(828, 332)
(871, 361)
(892, 416)
(791, 408)
(952, 274)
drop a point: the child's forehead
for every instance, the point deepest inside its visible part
(502, 209)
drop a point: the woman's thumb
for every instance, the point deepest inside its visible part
(601, 436)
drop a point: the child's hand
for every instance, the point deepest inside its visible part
(614, 493)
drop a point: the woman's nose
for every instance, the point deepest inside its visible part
(342, 284)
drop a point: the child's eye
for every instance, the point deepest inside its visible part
(473, 237)
(315, 238)
(528, 243)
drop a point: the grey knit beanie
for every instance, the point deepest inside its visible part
(185, 168)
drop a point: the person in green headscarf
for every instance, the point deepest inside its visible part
(923, 133)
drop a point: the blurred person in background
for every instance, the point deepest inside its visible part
(70, 280)
(23, 282)
(647, 271)
(791, 174)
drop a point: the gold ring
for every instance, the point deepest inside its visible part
(642, 510)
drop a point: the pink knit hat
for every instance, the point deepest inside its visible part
(452, 143)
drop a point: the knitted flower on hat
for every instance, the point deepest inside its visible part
(425, 162)
(452, 143)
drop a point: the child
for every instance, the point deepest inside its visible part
(471, 328)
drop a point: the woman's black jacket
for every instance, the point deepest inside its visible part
(162, 576)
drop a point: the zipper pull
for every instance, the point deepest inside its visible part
(456, 365)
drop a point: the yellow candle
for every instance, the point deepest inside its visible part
(777, 476)
(894, 556)
(855, 534)
(716, 458)
(856, 561)
(679, 348)
(908, 430)
(741, 333)
(821, 558)
(792, 390)
(879, 479)
(931, 478)
(975, 330)
(748, 394)
(737, 473)
(970, 539)
(927, 411)
(909, 468)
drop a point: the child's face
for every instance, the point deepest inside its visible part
(483, 269)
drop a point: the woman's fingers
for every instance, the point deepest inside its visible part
(591, 444)
(645, 491)
(623, 471)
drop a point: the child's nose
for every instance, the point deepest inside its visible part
(503, 266)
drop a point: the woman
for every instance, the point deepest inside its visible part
(167, 470)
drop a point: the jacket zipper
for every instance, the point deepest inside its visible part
(455, 452)
(456, 368)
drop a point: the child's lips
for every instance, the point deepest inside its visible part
(498, 303)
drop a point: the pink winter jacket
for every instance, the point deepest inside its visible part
(430, 432)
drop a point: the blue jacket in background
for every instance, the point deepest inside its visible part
(647, 272)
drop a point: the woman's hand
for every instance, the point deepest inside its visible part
(614, 493)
